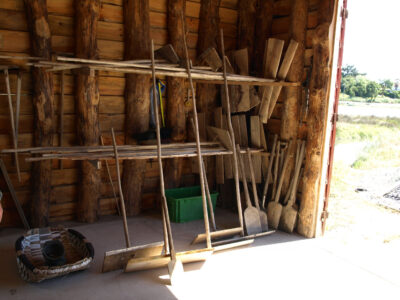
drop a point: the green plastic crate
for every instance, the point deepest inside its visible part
(185, 204)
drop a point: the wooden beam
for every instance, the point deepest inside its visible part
(292, 103)
(207, 94)
(176, 89)
(246, 26)
(137, 98)
(264, 15)
(43, 98)
(316, 119)
(87, 107)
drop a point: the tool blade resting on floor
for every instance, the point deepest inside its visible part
(251, 215)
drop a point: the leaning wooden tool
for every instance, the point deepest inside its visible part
(240, 229)
(271, 161)
(251, 215)
(262, 214)
(274, 208)
(173, 260)
(289, 212)
(117, 259)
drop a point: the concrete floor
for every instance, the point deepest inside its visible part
(279, 266)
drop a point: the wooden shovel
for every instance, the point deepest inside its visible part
(274, 208)
(262, 214)
(117, 259)
(251, 215)
(289, 213)
(271, 161)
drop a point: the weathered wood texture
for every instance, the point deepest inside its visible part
(246, 25)
(319, 84)
(87, 107)
(292, 104)
(176, 90)
(137, 98)
(40, 37)
(264, 19)
(15, 40)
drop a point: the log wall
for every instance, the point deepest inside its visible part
(14, 40)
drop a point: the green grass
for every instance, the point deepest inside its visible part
(379, 99)
(380, 135)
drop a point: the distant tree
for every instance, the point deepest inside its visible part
(350, 70)
(372, 90)
(385, 84)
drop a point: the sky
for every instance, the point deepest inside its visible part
(372, 39)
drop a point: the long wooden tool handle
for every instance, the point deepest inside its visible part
(166, 220)
(271, 161)
(292, 182)
(231, 133)
(209, 200)
(121, 195)
(276, 167)
(285, 164)
(253, 179)
(13, 132)
(18, 105)
(244, 179)
(296, 175)
(13, 195)
(110, 178)
(61, 120)
(197, 135)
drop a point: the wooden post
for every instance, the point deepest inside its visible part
(262, 33)
(246, 26)
(87, 106)
(40, 36)
(176, 89)
(137, 98)
(206, 94)
(316, 119)
(208, 37)
(291, 106)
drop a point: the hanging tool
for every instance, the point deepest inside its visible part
(117, 259)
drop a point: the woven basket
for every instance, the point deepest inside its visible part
(31, 263)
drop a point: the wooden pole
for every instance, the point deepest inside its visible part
(197, 136)
(232, 136)
(319, 83)
(207, 94)
(246, 25)
(208, 37)
(291, 106)
(121, 194)
(264, 17)
(87, 106)
(61, 120)
(176, 90)
(40, 37)
(137, 97)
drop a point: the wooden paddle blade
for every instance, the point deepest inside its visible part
(252, 220)
(263, 220)
(117, 259)
(175, 270)
(288, 219)
(274, 211)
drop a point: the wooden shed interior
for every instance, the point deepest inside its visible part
(67, 103)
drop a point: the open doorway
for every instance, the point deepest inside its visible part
(364, 205)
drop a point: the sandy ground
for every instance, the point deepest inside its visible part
(369, 109)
